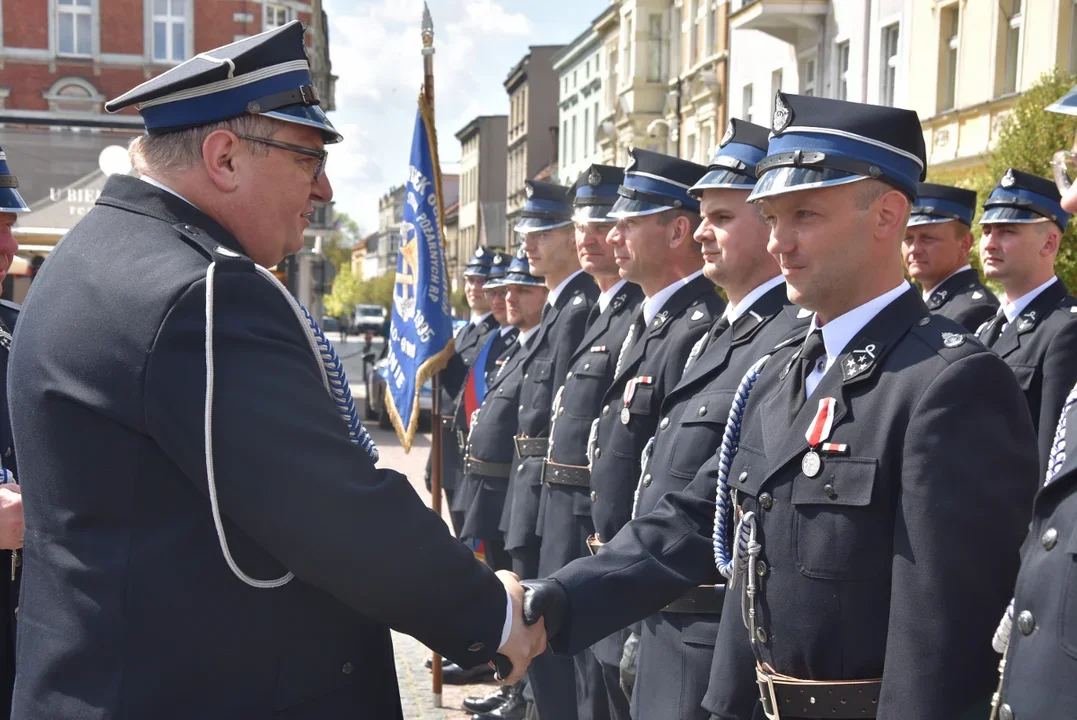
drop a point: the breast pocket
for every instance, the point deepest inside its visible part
(840, 534)
(588, 384)
(538, 385)
(699, 434)
(1067, 621)
(641, 421)
(1025, 375)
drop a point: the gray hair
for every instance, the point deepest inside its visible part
(182, 149)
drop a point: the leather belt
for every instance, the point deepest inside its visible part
(531, 447)
(594, 544)
(447, 419)
(487, 469)
(571, 475)
(789, 697)
(702, 600)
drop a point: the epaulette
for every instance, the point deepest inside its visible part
(946, 337)
(1069, 304)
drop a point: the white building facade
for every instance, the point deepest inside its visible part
(581, 102)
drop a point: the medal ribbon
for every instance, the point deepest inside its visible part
(630, 387)
(822, 424)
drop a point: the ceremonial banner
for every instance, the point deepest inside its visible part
(421, 338)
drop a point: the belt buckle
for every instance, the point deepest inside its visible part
(545, 464)
(766, 692)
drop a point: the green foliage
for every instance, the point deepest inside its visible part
(1028, 139)
(339, 248)
(345, 295)
(377, 291)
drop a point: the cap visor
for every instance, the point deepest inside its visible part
(1003, 214)
(917, 220)
(472, 271)
(309, 115)
(12, 202)
(721, 179)
(533, 224)
(494, 283)
(593, 214)
(634, 207)
(1067, 104)
(518, 279)
(791, 179)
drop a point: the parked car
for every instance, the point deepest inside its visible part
(330, 324)
(368, 318)
(377, 378)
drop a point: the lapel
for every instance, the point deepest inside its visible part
(714, 357)
(1030, 317)
(568, 295)
(513, 358)
(623, 301)
(672, 309)
(951, 288)
(860, 361)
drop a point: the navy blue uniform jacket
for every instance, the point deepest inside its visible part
(129, 610)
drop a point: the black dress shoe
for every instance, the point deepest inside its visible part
(476, 704)
(445, 664)
(455, 675)
(514, 708)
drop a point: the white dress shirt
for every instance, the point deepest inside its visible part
(606, 297)
(556, 292)
(526, 335)
(840, 331)
(1014, 308)
(506, 330)
(653, 305)
(477, 319)
(734, 311)
(927, 293)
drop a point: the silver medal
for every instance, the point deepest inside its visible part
(625, 415)
(811, 464)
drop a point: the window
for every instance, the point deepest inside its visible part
(587, 69)
(586, 124)
(712, 29)
(594, 131)
(1010, 17)
(574, 72)
(690, 148)
(74, 22)
(170, 30)
(675, 32)
(654, 48)
(705, 148)
(775, 86)
(275, 16)
(564, 142)
(843, 70)
(630, 56)
(888, 65)
(746, 103)
(694, 40)
(807, 76)
(948, 41)
(573, 139)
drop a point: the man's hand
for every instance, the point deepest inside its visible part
(11, 516)
(526, 640)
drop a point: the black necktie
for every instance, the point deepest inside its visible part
(716, 332)
(994, 329)
(810, 352)
(634, 333)
(545, 311)
(592, 316)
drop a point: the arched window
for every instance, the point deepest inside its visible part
(74, 94)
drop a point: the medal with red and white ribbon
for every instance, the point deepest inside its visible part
(630, 392)
(818, 431)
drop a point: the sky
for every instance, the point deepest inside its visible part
(375, 49)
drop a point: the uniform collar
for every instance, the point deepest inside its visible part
(605, 298)
(652, 305)
(506, 329)
(1014, 308)
(840, 331)
(551, 299)
(479, 319)
(927, 293)
(158, 184)
(526, 335)
(733, 312)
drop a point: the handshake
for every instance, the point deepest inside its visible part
(537, 609)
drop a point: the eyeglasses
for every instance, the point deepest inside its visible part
(320, 155)
(1064, 165)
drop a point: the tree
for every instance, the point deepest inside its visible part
(1027, 140)
(346, 294)
(339, 248)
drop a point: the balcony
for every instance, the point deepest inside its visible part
(780, 18)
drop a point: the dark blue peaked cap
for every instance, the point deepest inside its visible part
(547, 207)
(10, 200)
(480, 262)
(942, 203)
(655, 183)
(818, 142)
(265, 74)
(519, 272)
(595, 192)
(733, 166)
(498, 267)
(1021, 197)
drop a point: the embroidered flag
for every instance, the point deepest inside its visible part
(475, 386)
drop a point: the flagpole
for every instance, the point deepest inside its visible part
(435, 441)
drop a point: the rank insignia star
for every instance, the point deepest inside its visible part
(1026, 321)
(618, 302)
(952, 340)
